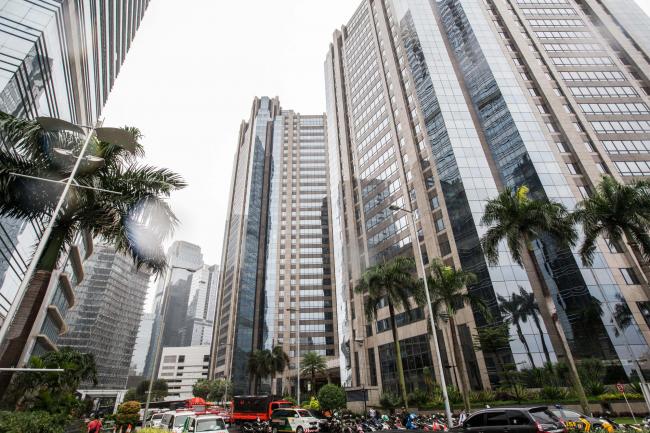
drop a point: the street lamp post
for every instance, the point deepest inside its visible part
(161, 330)
(443, 382)
(294, 310)
(362, 342)
(119, 137)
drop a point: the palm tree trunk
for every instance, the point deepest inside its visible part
(398, 355)
(460, 364)
(575, 377)
(313, 381)
(522, 338)
(541, 336)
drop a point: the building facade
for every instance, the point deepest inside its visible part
(107, 314)
(201, 306)
(58, 59)
(142, 341)
(181, 368)
(436, 107)
(183, 259)
(277, 277)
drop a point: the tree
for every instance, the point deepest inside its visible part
(447, 290)
(511, 309)
(313, 363)
(520, 221)
(53, 392)
(114, 197)
(530, 308)
(279, 361)
(615, 210)
(202, 388)
(391, 283)
(220, 390)
(159, 390)
(260, 365)
(128, 413)
(332, 397)
(131, 395)
(493, 339)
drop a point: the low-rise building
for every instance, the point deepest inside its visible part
(182, 367)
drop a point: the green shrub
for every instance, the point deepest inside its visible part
(454, 394)
(149, 430)
(612, 396)
(128, 413)
(291, 399)
(390, 401)
(551, 392)
(485, 396)
(418, 397)
(332, 397)
(31, 422)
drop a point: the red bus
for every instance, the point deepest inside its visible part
(251, 407)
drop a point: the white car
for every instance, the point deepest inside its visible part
(173, 421)
(293, 420)
(155, 421)
(204, 424)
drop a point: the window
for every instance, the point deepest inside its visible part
(435, 202)
(440, 224)
(633, 168)
(517, 418)
(629, 276)
(573, 169)
(495, 419)
(475, 421)
(181, 358)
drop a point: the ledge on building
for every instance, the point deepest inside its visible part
(56, 315)
(45, 341)
(66, 286)
(77, 263)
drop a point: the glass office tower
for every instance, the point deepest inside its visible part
(276, 281)
(58, 59)
(438, 106)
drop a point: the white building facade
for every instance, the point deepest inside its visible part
(182, 367)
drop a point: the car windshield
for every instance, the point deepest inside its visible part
(544, 416)
(157, 416)
(303, 413)
(180, 420)
(210, 424)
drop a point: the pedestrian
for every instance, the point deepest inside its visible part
(95, 425)
(462, 417)
(371, 413)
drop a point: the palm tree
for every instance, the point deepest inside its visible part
(260, 365)
(279, 360)
(448, 296)
(529, 307)
(615, 210)
(520, 221)
(313, 363)
(390, 283)
(114, 197)
(511, 309)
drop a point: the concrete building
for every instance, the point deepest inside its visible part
(142, 341)
(183, 259)
(277, 277)
(201, 306)
(436, 107)
(182, 367)
(59, 59)
(106, 317)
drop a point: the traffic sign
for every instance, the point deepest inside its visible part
(620, 387)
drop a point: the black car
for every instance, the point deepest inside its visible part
(512, 420)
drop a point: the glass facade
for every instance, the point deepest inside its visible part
(276, 286)
(442, 104)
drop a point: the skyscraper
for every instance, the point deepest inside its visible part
(183, 259)
(436, 107)
(276, 273)
(201, 306)
(58, 59)
(106, 317)
(142, 341)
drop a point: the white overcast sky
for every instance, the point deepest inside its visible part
(191, 75)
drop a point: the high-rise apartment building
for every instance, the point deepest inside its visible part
(183, 258)
(201, 306)
(106, 317)
(276, 274)
(58, 59)
(436, 107)
(181, 368)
